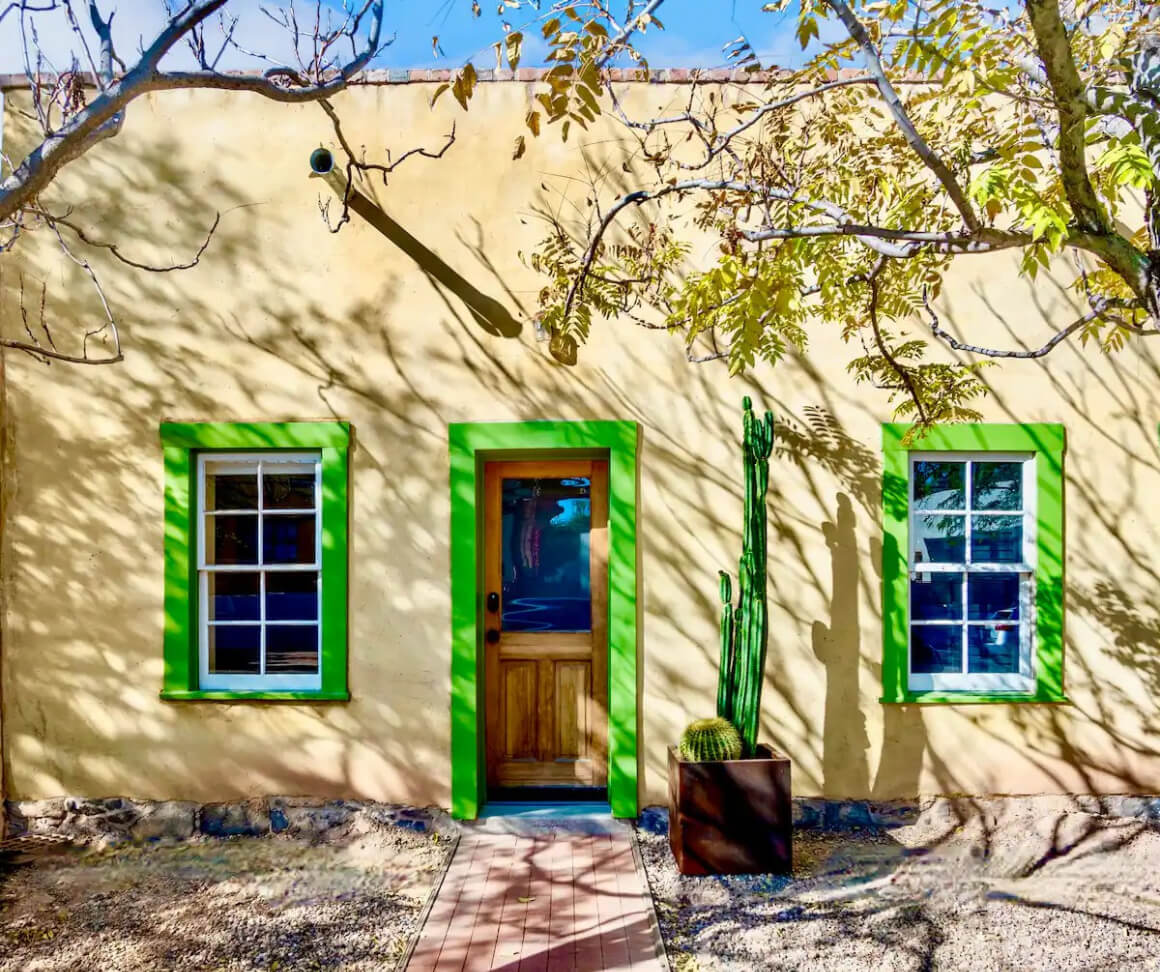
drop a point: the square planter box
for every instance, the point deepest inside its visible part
(731, 816)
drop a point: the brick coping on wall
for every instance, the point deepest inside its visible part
(524, 75)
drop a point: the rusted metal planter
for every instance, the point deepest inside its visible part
(732, 816)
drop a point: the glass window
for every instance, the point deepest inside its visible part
(259, 571)
(972, 572)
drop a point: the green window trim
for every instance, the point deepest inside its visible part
(470, 445)
(181, 443)
(1047, 441)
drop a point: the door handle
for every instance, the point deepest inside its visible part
(493, 602)
(492, 635)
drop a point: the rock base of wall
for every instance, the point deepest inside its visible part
(116, 819)
(119, 819)
(816, 814)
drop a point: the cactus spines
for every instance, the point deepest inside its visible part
(745, 627)
(710, 740)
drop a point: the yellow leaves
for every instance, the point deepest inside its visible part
(532, 120)
(520, 148)
(514, 43)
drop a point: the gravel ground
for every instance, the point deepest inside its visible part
(350, 902)
(1065, 891)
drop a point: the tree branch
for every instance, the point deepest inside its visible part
(1070, 96)
(91, 124)
(874, 66)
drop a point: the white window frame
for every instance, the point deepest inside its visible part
(1024, 680)
(240, 681)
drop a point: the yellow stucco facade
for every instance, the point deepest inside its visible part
(425, 320)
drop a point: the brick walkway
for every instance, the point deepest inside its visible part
(544, 903)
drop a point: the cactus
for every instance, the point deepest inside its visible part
(707, 740)
(745, 627)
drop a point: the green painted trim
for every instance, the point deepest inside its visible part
(256, 435)
(470, 445)
(1048, 441)
(181, 442)
(194, 696)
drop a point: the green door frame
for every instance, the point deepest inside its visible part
(471, 444)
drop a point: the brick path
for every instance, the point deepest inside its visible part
(543, 903)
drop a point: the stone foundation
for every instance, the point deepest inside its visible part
(116, 819)
(816, 814)
(119, 819)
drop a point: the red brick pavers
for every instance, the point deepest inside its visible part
(547, 903)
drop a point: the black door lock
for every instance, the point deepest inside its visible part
(493, 602)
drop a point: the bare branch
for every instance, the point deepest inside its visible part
(874, 66)
(633, 23)
(102, 117)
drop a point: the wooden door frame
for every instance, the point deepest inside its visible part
(471, 444)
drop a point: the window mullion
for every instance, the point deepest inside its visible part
(969, 501)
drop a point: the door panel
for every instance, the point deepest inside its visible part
(546, 664)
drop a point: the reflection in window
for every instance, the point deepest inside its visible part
(546, 524)
(971, 569)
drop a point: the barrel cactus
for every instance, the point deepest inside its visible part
(708, 740)
(745, 626)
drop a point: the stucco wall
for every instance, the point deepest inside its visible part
(282, 320)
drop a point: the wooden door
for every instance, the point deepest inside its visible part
(546, 622)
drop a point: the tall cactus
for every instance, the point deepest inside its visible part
(745, 627)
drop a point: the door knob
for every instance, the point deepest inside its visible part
(493, 602)
(492, 635)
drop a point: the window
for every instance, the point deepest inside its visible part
(972, 594)
(972, 572)
(259, 573)
(255, 560)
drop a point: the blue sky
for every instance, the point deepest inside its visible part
(695, 31)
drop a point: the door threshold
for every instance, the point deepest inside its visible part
(543, 819)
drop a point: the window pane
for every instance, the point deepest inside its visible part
(937, 597)
(235, 649)
(936, 648)
(992, 597)
(288, 491)
(232, 539)
(291, 596)
(233, 597)
(231, 490)
(997, 486)
(939, 486)
(288, 539)
(993, 649)
(291, 648)
(940, 539)
(997, 539)
(545, 554)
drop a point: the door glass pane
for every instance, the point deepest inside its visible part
(939, 486)
(233, 597)
(996, 485)
(936, 648)
(996, 539)
(546, 525)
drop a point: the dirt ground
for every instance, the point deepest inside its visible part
(349, 903)
(1054, 892)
